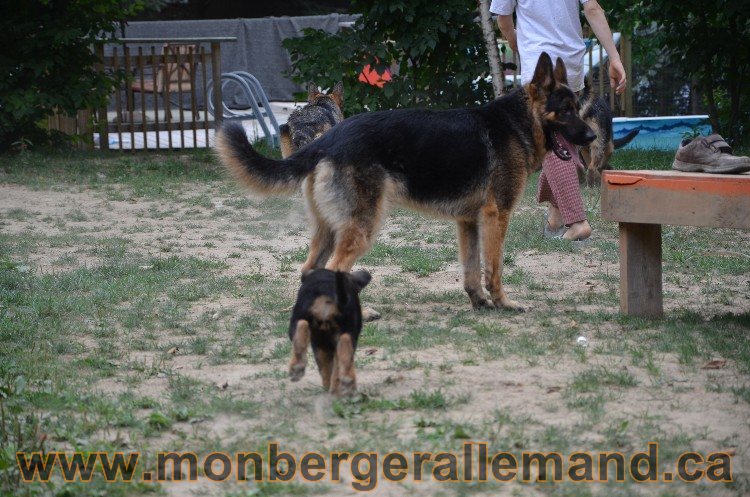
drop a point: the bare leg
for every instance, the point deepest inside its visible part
(300, 343)
(468, 250)
(559, 186)
(554, 219)
(578, 231)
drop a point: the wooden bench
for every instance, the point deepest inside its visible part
(641, 201)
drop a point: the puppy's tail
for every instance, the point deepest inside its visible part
(260, 173)
(621, 142)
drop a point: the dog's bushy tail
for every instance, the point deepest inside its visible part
(621, 142)
(260, 173)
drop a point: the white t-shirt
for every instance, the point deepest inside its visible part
(552, 26)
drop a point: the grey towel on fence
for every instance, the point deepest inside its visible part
(257, 50)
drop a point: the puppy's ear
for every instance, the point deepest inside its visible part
(305, 274)
(561, 74)
(360, 279)
(312, 92)
(544, 78)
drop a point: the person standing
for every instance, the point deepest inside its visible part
(554, 26)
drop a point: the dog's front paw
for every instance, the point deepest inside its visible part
(296, 371)
(479, 302)
(593, 178)
(511, 305)
(482, 304)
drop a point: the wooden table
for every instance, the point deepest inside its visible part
(641, 201)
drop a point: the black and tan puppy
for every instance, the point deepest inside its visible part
(470, 165)
(327, 315)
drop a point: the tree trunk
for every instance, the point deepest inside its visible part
(734, 89)
(493, 54)
(695, 96)
(708, 90)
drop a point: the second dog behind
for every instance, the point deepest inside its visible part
(322, 112)
(596, 113)
(328, 316)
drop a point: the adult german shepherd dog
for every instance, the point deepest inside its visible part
(467, 164)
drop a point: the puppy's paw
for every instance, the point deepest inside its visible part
(369, 314)
(296, 371)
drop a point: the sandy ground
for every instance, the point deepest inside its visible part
(682, 398)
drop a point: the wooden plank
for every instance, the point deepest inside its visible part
(153, 126)
(102, 111)
(210, 39)
(216, 74)
(640, 270)
(672, 197)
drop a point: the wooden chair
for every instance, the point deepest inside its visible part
(175, 75)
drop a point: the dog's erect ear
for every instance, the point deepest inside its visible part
(338, 93)
(544, 78)
(306, 273)
(561, 74)
(312, 92)
(360, 279)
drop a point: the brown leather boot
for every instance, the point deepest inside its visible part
(710, 154)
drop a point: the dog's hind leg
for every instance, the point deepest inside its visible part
(321, 246)
(351, 243)
(355, 237)
(323, 237)
(468, 249)
(300, 343)
(494, 227)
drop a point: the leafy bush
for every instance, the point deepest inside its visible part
(48, 64)
(434, 48)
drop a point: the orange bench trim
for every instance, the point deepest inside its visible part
(691, 182)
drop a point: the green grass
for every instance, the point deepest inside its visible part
(422, 261)
(146, 172)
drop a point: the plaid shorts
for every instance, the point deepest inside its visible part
(558, 184)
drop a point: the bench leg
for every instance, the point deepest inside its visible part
(640, 270)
